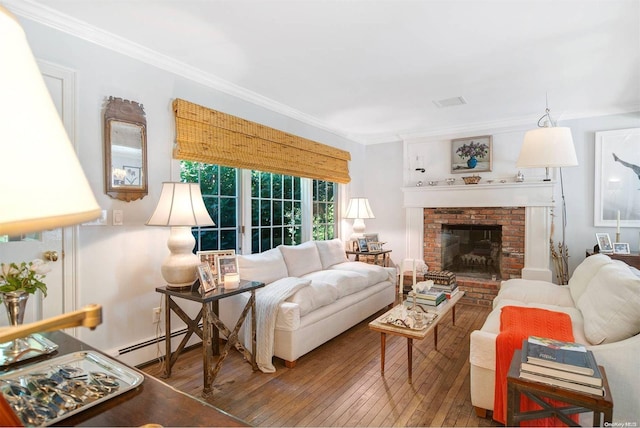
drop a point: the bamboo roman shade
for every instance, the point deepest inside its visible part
(210, 136)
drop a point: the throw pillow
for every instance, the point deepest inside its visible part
(331, 252)
(301, 259)
(265, 267)
(584, 272)
(611, 305)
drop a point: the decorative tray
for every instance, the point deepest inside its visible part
(48, 392)
(417, 321)
(34, 345)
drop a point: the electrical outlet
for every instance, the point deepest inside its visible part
(156, 315)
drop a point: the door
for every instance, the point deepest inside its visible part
(60, 280)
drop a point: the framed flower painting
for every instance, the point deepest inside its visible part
(472, 154)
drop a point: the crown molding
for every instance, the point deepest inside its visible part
(51, 18)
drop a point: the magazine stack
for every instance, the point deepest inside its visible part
(565, 364)
(430, 298)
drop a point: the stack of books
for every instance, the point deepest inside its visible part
(449, 289)
(428, 297)
(565, 364)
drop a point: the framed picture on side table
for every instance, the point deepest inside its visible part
(207, 279)
(621, 248)
(371, 237)
(210, 257)
(604, 242)
(226, 265)
(362, 245)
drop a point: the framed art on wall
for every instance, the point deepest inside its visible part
(617, 178)
(471, 154)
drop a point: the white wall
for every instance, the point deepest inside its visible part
(119, 266)
(394, 165)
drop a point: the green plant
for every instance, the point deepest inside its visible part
(25, 277)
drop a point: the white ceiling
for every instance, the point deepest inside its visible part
(372, 69)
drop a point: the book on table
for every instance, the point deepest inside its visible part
(592, 380)
(554, 381)
(556, 354)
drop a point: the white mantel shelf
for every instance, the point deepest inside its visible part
(510, 194)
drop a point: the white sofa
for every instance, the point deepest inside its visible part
(603, 301)
(332, 293)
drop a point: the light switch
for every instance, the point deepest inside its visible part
(118, 217)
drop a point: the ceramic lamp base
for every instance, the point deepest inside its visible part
(179, 267)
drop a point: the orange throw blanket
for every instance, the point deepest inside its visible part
(518, 323)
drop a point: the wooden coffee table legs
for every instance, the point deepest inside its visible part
(383, 346)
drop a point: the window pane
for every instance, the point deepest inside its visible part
(255, 184)
(288, 187)
(228, 181)
(228, 239)
(265, 185)
(208, 240)
(265, 213)
(227, 212)
(277, 213)
(324, 226)
(277, 186)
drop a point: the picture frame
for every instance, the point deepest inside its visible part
(472, 154)
(210, 256)
(604, 242)
(371, 237)
(362, 245)
(617, 155)
(621, 248)
(374, 247)
(207, 279)
(226, 265)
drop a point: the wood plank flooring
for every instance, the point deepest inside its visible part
(339, 383)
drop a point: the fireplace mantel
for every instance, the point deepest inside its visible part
(536, 197)
(533, 194)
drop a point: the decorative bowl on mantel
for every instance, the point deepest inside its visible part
(473, 179)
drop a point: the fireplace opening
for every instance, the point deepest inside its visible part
(472, 250)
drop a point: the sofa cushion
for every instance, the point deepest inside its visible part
(611, 305)
(301, 259)
(584, 272)
(331, 252)
(316, 295)
(345, 282)
(266, 267)
(534, 291)
(374, 273)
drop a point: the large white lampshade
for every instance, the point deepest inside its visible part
(358, 210)
(548, 147)
(180, 207)
(42, 183)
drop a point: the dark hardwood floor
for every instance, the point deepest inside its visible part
(339, 383)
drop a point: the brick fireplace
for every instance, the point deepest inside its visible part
(521, 210)
(480, 288)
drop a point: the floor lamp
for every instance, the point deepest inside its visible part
(547, 147)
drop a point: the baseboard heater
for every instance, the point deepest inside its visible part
(156, 340)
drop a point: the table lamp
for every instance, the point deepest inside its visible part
(358, 210)
(180, 207)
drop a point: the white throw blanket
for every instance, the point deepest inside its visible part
(268, 300)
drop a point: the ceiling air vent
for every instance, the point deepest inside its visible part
(450, 102)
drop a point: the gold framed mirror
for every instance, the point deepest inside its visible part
(125, 150)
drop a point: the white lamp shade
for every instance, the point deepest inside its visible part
(359, 208)
(547, 148)
(43, 184)
(180, 204)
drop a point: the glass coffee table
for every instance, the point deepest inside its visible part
(385, 325)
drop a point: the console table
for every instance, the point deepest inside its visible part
(151, 402)
(211, 327)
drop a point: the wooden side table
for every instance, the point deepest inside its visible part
(211, 327)
(380, 258)
(579, 402)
